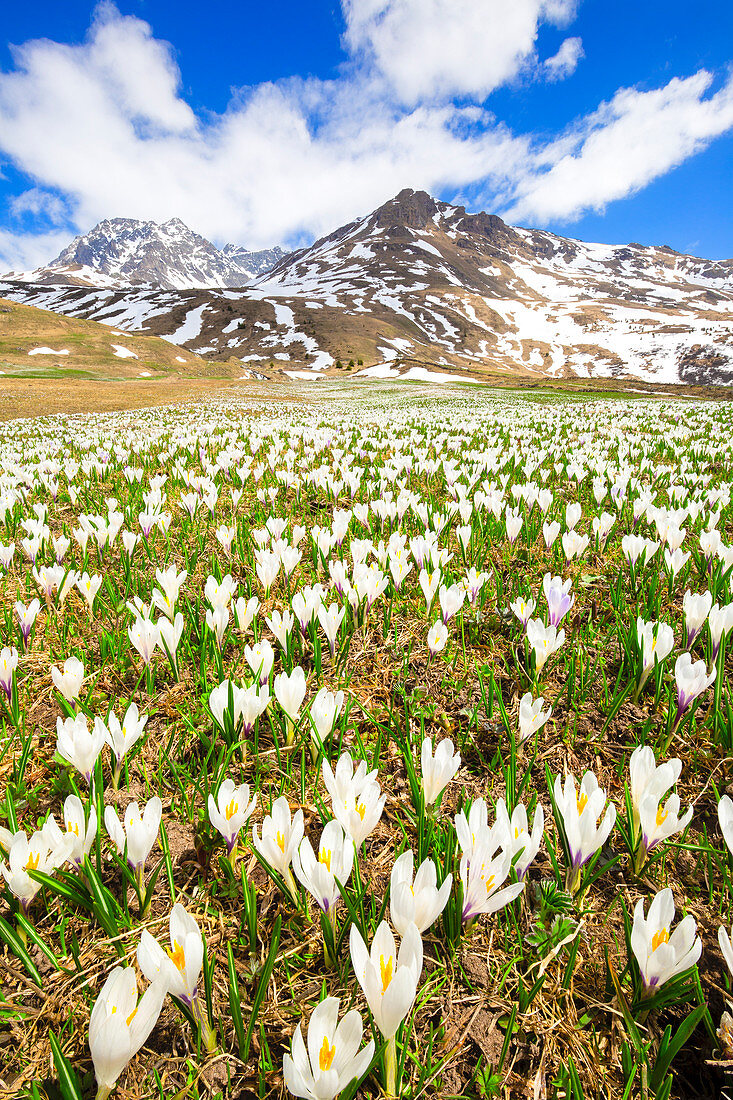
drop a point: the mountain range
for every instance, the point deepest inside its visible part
(417, 288)
(122, 252)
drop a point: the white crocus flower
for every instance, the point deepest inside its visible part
(77, 745)
(179, 966)
(429, 583)
(474, 834)
(720, 623)
(660, 955)
(521, 840)
(330, 619)
(647, 777)
(437, 637)
(659, 822)
(121, 738)
(8, 666)
(419, 902)
(335, 861)
(656, 645)
(675, 559)
(388, 977)
(89, 586)
(483, 874)
(360, 817)
(260, 658)
(439, 769)
(344, 784)
(144, 635)
(79, 834)
(324, 710)
(451, 600)
(281, 836)
(523, 609)
(696, 607)
(120, 1025)
(170, 581)
(68, 683)
(332, 1059)
(574, 545)
(170, 634)
(245, 611)
(45, 850)
(531, 715)
(230, 810)
(550, 531)
(725, 818)
(281, 626)
(217, 620)
(289, 690)
(580, 811)
(27, 616)
(726, 947)
(139, 831)
(692, 679)
(253, 704)
(544, 641)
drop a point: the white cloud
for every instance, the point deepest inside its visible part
(25, 252)
(102, 128)
(39, 204)
(432, 50)
(264, 171)
(565, 61)
(622, 147)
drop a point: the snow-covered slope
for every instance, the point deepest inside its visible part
(423, 283)
(122, 251)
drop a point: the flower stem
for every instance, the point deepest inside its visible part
(390, 1067)
(207, 1033)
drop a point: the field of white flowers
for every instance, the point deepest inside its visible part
(368, 748)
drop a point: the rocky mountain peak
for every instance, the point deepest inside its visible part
(407, 210)
(128, 252)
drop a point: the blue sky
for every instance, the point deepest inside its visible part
(264, 123)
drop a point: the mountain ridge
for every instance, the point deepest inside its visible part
(424, 282)
(121, 252)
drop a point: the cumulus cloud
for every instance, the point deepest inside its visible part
(39, 204)
(25, 252)
(565, 61)
(102, 129)
(622, 147)
(431, 50)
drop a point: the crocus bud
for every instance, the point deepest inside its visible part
(437, 770)
(120, 1025)
(68, 683)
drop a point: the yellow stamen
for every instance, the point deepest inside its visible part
(325, 859)
(489, 883)
(281, 842)
(33, 861)
(662, 936)
(326, 1057)
(661, 816)
(386, 971)
(177, 955)
(582, 801)
(232, 809)
(129, 1019)
(72, 827)
(361, 810)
